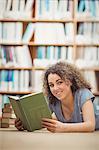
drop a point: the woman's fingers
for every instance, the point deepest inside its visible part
(19, 125)
(49, 123)
(49, 120)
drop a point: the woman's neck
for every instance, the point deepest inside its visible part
(69, 101)
(68, 107)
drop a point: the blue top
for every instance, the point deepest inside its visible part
(80, 97)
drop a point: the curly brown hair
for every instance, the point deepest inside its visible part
(65, 71)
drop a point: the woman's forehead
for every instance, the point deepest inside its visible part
(53, 76)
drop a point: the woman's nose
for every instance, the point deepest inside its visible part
(56, 87)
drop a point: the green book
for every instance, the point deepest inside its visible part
(31, 109)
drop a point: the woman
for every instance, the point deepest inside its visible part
(70, 100)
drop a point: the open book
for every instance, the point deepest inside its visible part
(30, 109)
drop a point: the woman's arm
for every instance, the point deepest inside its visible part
(87, 126)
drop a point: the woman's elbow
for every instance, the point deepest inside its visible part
(91, 127)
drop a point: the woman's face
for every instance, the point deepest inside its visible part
(59, 88)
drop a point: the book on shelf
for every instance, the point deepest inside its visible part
(31, 109)
(2, 8)
(15, 5)
(49, 33)
(0, 31)
(28, 33)
(21, 53)
(22, 6)
(37, 81)
(28, 9)
(92, 79)
(29, 5)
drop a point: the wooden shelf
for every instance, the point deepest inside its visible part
(51, 44)
(37, 20)
(90, 68)
(50, 20)
(39, 68)
(16, 68)
(34, 44)
(84, 45)
(11, 43)
(16, 93)
(22, 68)
(87, 20)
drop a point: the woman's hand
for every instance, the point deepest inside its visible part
(53, 125)
(18, 124)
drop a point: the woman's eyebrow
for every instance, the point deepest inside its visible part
(58, 80)
(50, 83)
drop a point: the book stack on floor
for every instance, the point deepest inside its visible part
(8, 117)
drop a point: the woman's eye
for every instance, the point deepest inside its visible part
(60, 82)
(51, 85)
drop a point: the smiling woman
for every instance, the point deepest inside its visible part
(70, 99)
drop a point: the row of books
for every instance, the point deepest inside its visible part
(13, 56)
(87, 9)
(43, 9)
(11, 31)
(54, 52)
(48, 9)
(87, 56)
(16, 35)
(43, 32)
(48, 33)
(87, 33)
(15, 80)
(63, 9)
(54, 9)
(16, 8)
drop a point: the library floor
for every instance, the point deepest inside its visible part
(11, 139)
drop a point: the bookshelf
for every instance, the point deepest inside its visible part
(38, 33)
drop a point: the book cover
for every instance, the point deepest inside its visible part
(31, 109)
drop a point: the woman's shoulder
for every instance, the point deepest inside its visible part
(84, 94)
(83, 91)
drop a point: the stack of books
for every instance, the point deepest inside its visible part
(8, 117)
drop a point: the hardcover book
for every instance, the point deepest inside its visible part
(31, 109)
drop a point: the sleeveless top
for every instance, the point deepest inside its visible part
(80, 97)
